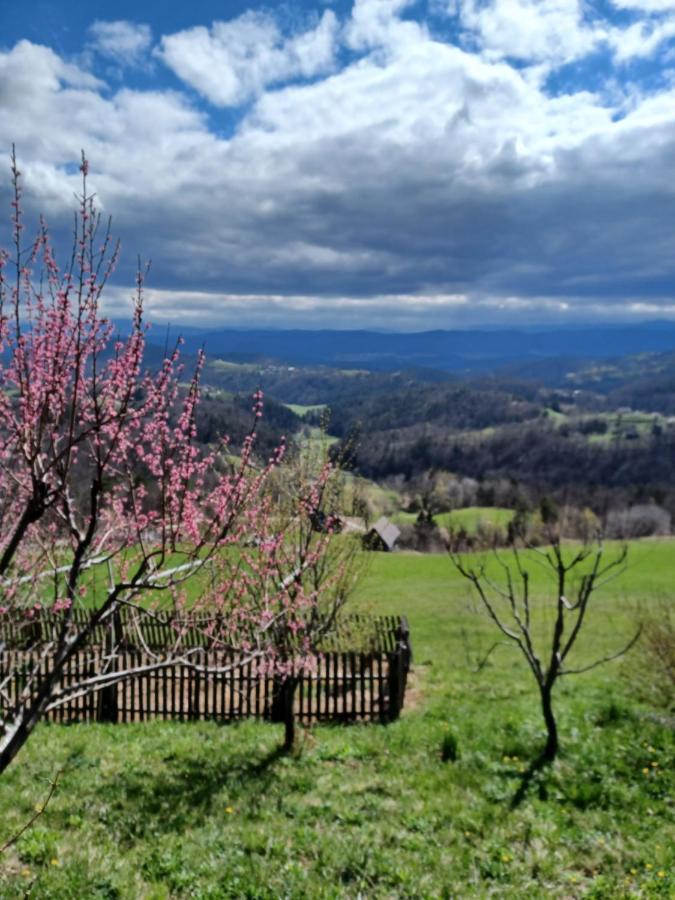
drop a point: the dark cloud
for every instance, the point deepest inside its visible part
(419, 186)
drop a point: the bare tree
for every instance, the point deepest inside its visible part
(508, 599)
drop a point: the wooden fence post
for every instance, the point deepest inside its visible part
(107, 707)
(399, 664)
(194, 688)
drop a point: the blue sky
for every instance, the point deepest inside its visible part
(377, 163)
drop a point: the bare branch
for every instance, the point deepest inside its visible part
(53, 784)
(605, 659)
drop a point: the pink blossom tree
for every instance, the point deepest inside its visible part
(298, 582)
(100, 472)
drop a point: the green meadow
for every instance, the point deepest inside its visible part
(301, 409)
(470, 519)
(420, 808)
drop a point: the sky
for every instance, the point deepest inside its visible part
(382, 164)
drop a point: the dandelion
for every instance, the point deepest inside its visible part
(506, 858)
(25, 873)
(660, 874)
(649, 866)
(55, 862)
(229, 810)
(645, 771)
(633, 871)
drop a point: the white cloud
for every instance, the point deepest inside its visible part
(234, 61)
(421, 180)
(376, 24)
(533, 30)
(30, 69)
(640, 39)
(139, 142)
(391, 312)
(125, 43)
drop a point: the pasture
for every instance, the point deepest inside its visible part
(420, 808)
(471, 519)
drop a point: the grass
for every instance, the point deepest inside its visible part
(619, 424)
(314, 439)
(300, 409)
(469, 518)
(420, 808)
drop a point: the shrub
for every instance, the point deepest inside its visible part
(642, 520)
(449, 747)
(651, 670)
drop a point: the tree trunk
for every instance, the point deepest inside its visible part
(29, 714)
(551, 749)
(289, 732)
(289, 713)
(282, 708)
(18, 732)
(16, 735)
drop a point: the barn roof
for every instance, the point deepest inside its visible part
(387, 531)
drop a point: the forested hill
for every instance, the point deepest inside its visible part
(450, 351)
(598, 429)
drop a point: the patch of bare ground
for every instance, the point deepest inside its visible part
(415, 690)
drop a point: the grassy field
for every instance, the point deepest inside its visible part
(197, 810)
(301, 409)
(619, 424)
(469, 518)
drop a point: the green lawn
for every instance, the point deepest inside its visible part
(197, 810)
(469, 518)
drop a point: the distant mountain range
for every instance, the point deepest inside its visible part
(448, 351)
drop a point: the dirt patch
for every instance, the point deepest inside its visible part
(415, 694)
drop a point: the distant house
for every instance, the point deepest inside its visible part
(382, 536)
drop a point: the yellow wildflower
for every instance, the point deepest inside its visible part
(229, 810)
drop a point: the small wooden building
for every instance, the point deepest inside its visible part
(382, 536)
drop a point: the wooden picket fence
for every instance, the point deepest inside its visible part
(344, 685)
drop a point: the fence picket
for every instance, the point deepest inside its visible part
(344, 685)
